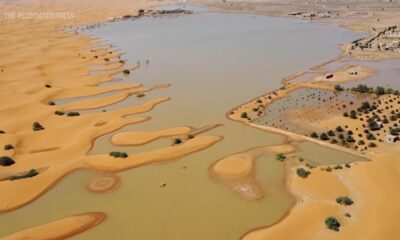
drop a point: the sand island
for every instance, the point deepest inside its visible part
(199, 119)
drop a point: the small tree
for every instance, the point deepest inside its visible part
(339, 88)
(243, 115)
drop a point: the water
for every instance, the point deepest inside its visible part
(213, 62)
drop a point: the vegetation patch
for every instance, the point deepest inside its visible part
(332, 223)
(301, 172)
(73, 114)
(177, 141)
(8, 147)
(29, 174)
(6, 161)
(280, 157)
(118, 154)
(126, 71)
(37, 127)
(60, 113)
(344, 201)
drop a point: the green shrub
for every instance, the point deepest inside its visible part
(140, 95)
(37, 127)
(47, 85)
(324, 137)
(331, 133)
(177, 141)
(332, 223)
(314, 135)
(2, 132)
(6, 161)
(371, 145)
(339, 129)
(60, 113)
(73, 114)
(8, 147)
(280, 157)
(51, 103)
(301, 172)
(126, 71)
(29, 174)
(243, 115)
(344, 201)
(118, 154)
(339, 88)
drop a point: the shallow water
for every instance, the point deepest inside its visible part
(214, 62)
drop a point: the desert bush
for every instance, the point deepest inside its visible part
(324, 137)
(371, 145)
(243, 115)
(118, 154)
(280, 157)
(339, 88)
(37, 127)
(73, 114)
(140, 95)
(339, 129)
(2, 132)
(314, 135)
(6, 161)
(60, 113)
(332, 223)
(177, 141)
(344, 201)
(8, 147)
(29, 174)
(331, 133)
(301, 172)
(126, 71)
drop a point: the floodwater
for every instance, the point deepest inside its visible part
(213, 61)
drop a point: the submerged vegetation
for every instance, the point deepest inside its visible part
(118, 154)
(29, 174)
(280, 157)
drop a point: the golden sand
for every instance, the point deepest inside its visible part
(44, 63)
(60, 229)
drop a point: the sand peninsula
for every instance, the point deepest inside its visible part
(50, 62)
